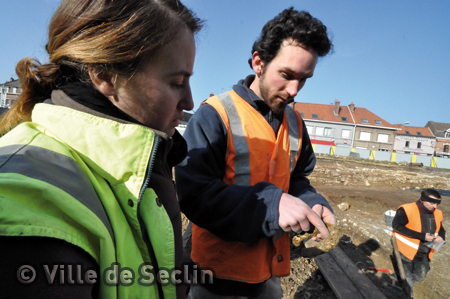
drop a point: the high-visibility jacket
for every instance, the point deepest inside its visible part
(409, 246)
(254, 154)
(88, 186)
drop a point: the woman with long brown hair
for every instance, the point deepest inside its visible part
(87, 204)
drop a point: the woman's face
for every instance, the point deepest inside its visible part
(158, 94)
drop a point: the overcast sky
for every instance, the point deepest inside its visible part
(391, 57)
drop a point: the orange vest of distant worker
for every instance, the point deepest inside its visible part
(254, 154)
(409, 246)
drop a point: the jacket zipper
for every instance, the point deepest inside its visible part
(145, 237)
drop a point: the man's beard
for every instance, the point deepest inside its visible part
(271, 101)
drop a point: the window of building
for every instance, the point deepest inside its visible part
(383, 138)
(315, 116)
(407, 144)
(319, 131)
(378, 122)
(14, 90)
(446, 148)
(364, 136)
(407, 132)
(447, 133)
(419, 134)
(419, 144)
(310, 130)
(345, 133)
(327, 132)
(364, 120)
(344, 119)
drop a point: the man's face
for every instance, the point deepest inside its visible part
(281, 80)
(430, 205)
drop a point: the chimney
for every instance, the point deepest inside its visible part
(211, 94)
(336, 107)
(352, 107)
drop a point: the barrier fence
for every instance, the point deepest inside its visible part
(436, 162)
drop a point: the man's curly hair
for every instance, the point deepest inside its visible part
(290, 23)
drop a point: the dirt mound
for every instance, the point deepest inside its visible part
(369, 188)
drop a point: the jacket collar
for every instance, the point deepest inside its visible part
(114, 148)
(244, 91)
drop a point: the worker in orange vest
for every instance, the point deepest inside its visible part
(417, 229)
(243, 184)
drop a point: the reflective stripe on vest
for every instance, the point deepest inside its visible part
(406, 241)
(242, 159)
(293, 135)
(56, 169)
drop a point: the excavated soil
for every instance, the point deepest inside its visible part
(370, 189)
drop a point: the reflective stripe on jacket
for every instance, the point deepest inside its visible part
(409, 246)
(254, 154)
(82, 178)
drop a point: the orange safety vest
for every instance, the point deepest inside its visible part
(254, 154)
(409, 246)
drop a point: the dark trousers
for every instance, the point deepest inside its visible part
(415, 270)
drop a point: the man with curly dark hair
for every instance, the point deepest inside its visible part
(244, 183)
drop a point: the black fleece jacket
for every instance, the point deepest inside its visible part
(428, 226)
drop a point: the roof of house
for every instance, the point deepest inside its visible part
(438, 129)
(365, 117)
(413, 131)
(12, 83)
(323, 112)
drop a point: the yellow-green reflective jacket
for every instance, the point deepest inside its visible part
(83, 179)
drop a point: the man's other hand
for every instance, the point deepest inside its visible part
(429, 237)
(327, 217)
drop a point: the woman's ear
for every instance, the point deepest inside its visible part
(103, 81)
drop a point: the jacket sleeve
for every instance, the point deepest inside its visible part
(399, 225)
(441, 232)
(299, 183)
(232, 212)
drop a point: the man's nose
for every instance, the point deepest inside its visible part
(293, 88)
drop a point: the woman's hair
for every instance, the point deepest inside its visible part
(290, 23)
(116, 37)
